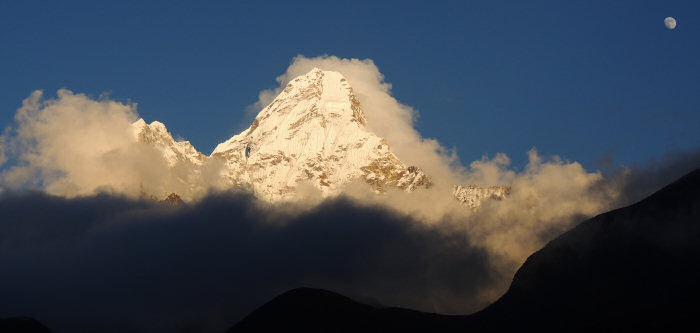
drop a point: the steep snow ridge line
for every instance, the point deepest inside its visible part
(158, 136)
(313, 132)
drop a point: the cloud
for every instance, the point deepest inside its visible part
(73, 145)
(64, 144)
(4, 137)
(105, 262)
(642, 179)
(547, 197)
(547, 194)
(127, 264)
(386, 116)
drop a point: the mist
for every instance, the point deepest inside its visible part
(110, 263)
(74, 145)
(83, 246)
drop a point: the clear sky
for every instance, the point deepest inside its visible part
(579, 79)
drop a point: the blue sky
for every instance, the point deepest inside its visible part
(579, 79)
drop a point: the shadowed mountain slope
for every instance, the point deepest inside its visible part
(316, 310)
(22, 325)
(633, 268)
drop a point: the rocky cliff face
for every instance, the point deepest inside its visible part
(473, 196)
(313, 132)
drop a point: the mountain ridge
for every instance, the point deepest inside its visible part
(313, 132)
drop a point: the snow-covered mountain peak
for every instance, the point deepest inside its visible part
(320, 99)
(314, 131)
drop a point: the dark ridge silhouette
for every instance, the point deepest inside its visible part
(316, 310)
(22, 325)
(631, 269)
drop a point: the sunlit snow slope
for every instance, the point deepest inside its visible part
(313, 132)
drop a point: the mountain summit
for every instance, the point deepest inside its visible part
(313, 132)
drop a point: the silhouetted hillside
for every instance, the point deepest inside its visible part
(315, 310)
(633, 268)
(22, 325)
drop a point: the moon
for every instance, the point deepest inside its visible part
(670, 23)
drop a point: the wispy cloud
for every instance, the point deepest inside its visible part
(73, 145)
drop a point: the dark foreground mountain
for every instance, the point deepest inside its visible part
(22, 325)
(634, 268)
(318, 310)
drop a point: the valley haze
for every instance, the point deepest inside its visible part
(331, 186)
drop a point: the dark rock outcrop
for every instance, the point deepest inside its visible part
(172, 199)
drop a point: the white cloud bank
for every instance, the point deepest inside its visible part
(74, 145)
(548, 196)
